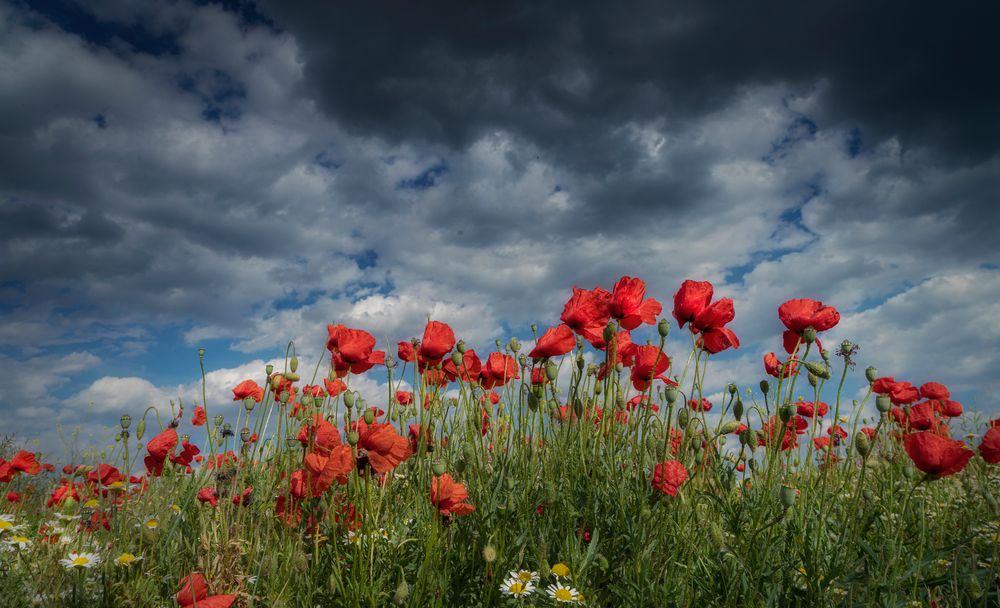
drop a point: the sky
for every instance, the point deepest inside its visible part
(178, 175)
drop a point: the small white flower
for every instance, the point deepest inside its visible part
(20, 542)
(80, 560)
(525, 576)
(517, 588)
(127, 559)
(7, 522)
(562, 593)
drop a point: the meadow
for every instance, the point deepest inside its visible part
(586, 470)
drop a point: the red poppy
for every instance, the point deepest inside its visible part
(323, 470)
(493, 396)
(499, 369)
(771, 430)
(334, 387)
(837, 431)
(62, 493)
(717, 339)
(650, 363)
(194, 591)
(629, 303)
(989, 449)
(404, 350)
(354, 351)
(13, 497)
(934, 391)
(538, 376)
(867, 430)
(248, 388)
(199, 416)
(703, 405)
(383, 446)
(771, 363)
(937, 455)
(668, 476)
(24, 461)
(449, 496)
(104, 474)
(692, 298)
(208, 495)
(186, 455)
(417, 436)
(586, 312)
(797, 315)
(470, 369)
(948, 408)
(556, 341)
(322, 434)
(158, 449)
(244, 497)
(404, 397)
(922, 416)
(821, 443)
(437, 341)
(811, 410)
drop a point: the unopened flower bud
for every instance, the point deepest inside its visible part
(402, 593)
(788, 496)
(663, 327)
(349, 399)
(786, 412)
(683, 418)
(821, 371)
(369, 416)
(294, 364)
(551, 371)
(862, 444)
(456, 358)
(306, 401)
(813, 381)
(738, 409)
(292, 377)
(219, 419)
(125, 421)
(609, 333)
(809, 335)
(729, 427)
(580, 363)
(909, 472)
(871, 374)
(883, 403)
(140, 429)
(353, 438)
(438, 468)
(764, 386)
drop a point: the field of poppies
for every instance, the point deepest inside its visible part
(588, 467)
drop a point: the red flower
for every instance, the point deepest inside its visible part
(248, 388)
(936, 455)
(810, 410)
(922, 416)
(323, 470)
(404, 397)
(355, 351)
(199, 416)
(668, 476)
(334, 387)
(405, 351)
(934, 390)
(867, 430)
(244, 497)
(104, 474)
(771, 363)
(586, 312)
(628, 303)
(470, 369)
(700, 406)
(13, 497)
(797, 315)
(194, 590)
(555, 341)
(158, 449)
(187, 454)
(650, 363)
(900, 393)
(209, 495)
(836, 431)
(948, 408)
(989, 449)
(449, 496)
(499, 369)
(321, 433)
(438, 340)
(24, 461)
(692, 298)
(385, 447)
(717, 339)
(61, 494)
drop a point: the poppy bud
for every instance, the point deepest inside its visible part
(125, 421)
(609, 333)
(268, 369)
(219, 420)
(753, 463)
(402, 593)
(619, 367)
(809, 335)
(353, 438)
(461, 346)
(276, 381)
(812, 380)
(460, 466)
(578, 406)
(882, 403)
(729, 427)
(663, 327)
(871, 374)
(369, 416)
(738, 409)
(456, 358)
(284, 396)
(580, 363)
(747, 437)
(825, 355)
(786, 412)
(820, 370)
(670, 394)
(349, 399)
(683, 418)
(699, 458)
(532, 401)
(862, 444)
(438, 468)
(598, 389)
(764, 386)
(514, 344)
(294, 364)
(551, 372)
(245, 434)
(291, 377)
(141, 428)
(868, 494)
(788, 496)
(489, 553)
(249, 403)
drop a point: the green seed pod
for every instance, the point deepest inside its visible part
(809, 335)
(729, 427)
(663, 327)
(764, 386)
(245, 434)
(456, 359)
(469, 452)
(738, 409)
(609, 333)
(291, 377)
(551, 372)
(788, 496)
(349, 399)
(682, 418)
(438, 468)
(813, 381)
(532, 401)
(306, 400)
(732, 388)
(369, 416)
(514, 345)
(670, 394)
(578, 406)
(284, 396)
(786, 412)
(125, 421)
(883, 403)
(268, 369)
(461, 346)
(294, 364)
(862, 444)
(820, 371)
(353, 438)
(871, 374)
(249, 403)
(598, 388)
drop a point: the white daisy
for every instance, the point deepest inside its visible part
(20, 542)
(80, 560)
(127, 559)
(525, 576)
(562, 593)
(516, 588)
(7, 522)
(152, 522)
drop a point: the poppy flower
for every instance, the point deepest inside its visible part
(936, 455)
(900, 393)
(650, 363)
(62, 493)
(417, 437)
(438, 339)
(104, 474)
(703, 405)
(629, 304)
(771, 430)
(811, 410)
(383, 447)
(24, 461)
(922, 416)
(498, 370)
(158, 449)
(208, 495)
(248, 388)
(948, 408)
(449, 496)
(556, 341)
(836, 431)
(334, 387)
(194, 591)
(244, 497)
(493, 396)
(470, 369)
(354, 351)
(934, 391)
(323, 470)
(404, 397)
(404, 350)
(200, 417)
(771, 364)
(867, 430)
(717, 339)
(821, 443)
(586, 312)
(186, 455)
(668, 476)
(797, 315)
(13, 497)
(322, 434)
(692, 298)
(989, 449)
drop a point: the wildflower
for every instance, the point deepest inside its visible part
(555, 341)
(383, 447)
(514, 587)
(7, 522)
(693, 304)
(80, 560)
(194, 592)
(526, 576)
(127, 559)
(811, 410)
(560, 570)
(650, 364)
(159, 448)
(438, 339)
(247, 388)
(498, 370)
(562, 593)
(469, 370)
(353, 350)
(586, 313)
(200, 417)
(702, 405)
(629, 304)
(151, 522)
(937, 455)
(934, 391)
(668, 476)
(19, 542)
(989, 449)
(449, 496)
(774, 367)
(208, 495)
(798, 315)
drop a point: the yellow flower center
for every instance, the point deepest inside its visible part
(524, 576)
(560, 569)
(19, 539)
(5, 525)
(126, 558)
(152, 523)
(80, 560)
(517, 588)
(92, 503)
(564, 595)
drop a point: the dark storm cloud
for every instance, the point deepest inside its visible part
(567, 75)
